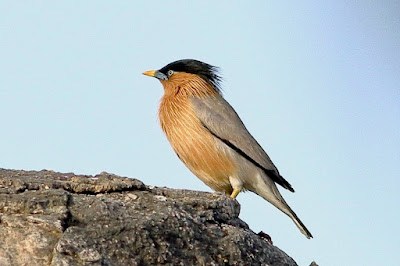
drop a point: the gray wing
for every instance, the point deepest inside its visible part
(218, 117)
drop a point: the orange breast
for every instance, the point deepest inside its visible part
(195, 146)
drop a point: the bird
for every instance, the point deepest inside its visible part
(209, 137)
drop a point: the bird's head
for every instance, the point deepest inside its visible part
(189, 74)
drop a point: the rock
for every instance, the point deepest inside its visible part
(50, 218)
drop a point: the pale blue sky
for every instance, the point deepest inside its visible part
(316, 82)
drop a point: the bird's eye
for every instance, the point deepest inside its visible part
(170, 73)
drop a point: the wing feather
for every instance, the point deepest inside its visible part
(221, 120)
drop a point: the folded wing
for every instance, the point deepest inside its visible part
(221, 120)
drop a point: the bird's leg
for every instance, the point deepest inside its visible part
(235, 192)
(237, 186)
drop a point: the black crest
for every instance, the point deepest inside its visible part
(207, 72)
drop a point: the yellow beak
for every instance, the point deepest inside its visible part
(150, 73)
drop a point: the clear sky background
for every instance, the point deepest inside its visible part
(317, 83)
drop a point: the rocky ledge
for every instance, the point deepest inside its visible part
(50, 218)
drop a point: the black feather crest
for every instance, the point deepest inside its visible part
(207, 72)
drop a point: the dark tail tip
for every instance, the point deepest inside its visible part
(301, 226)
(285, 184)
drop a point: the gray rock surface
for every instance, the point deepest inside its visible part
(50, 218)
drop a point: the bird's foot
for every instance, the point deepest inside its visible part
(234, 194)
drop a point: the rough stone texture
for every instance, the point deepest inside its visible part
(50, 218)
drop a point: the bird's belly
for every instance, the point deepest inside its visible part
(206, 156)
(206, 159)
